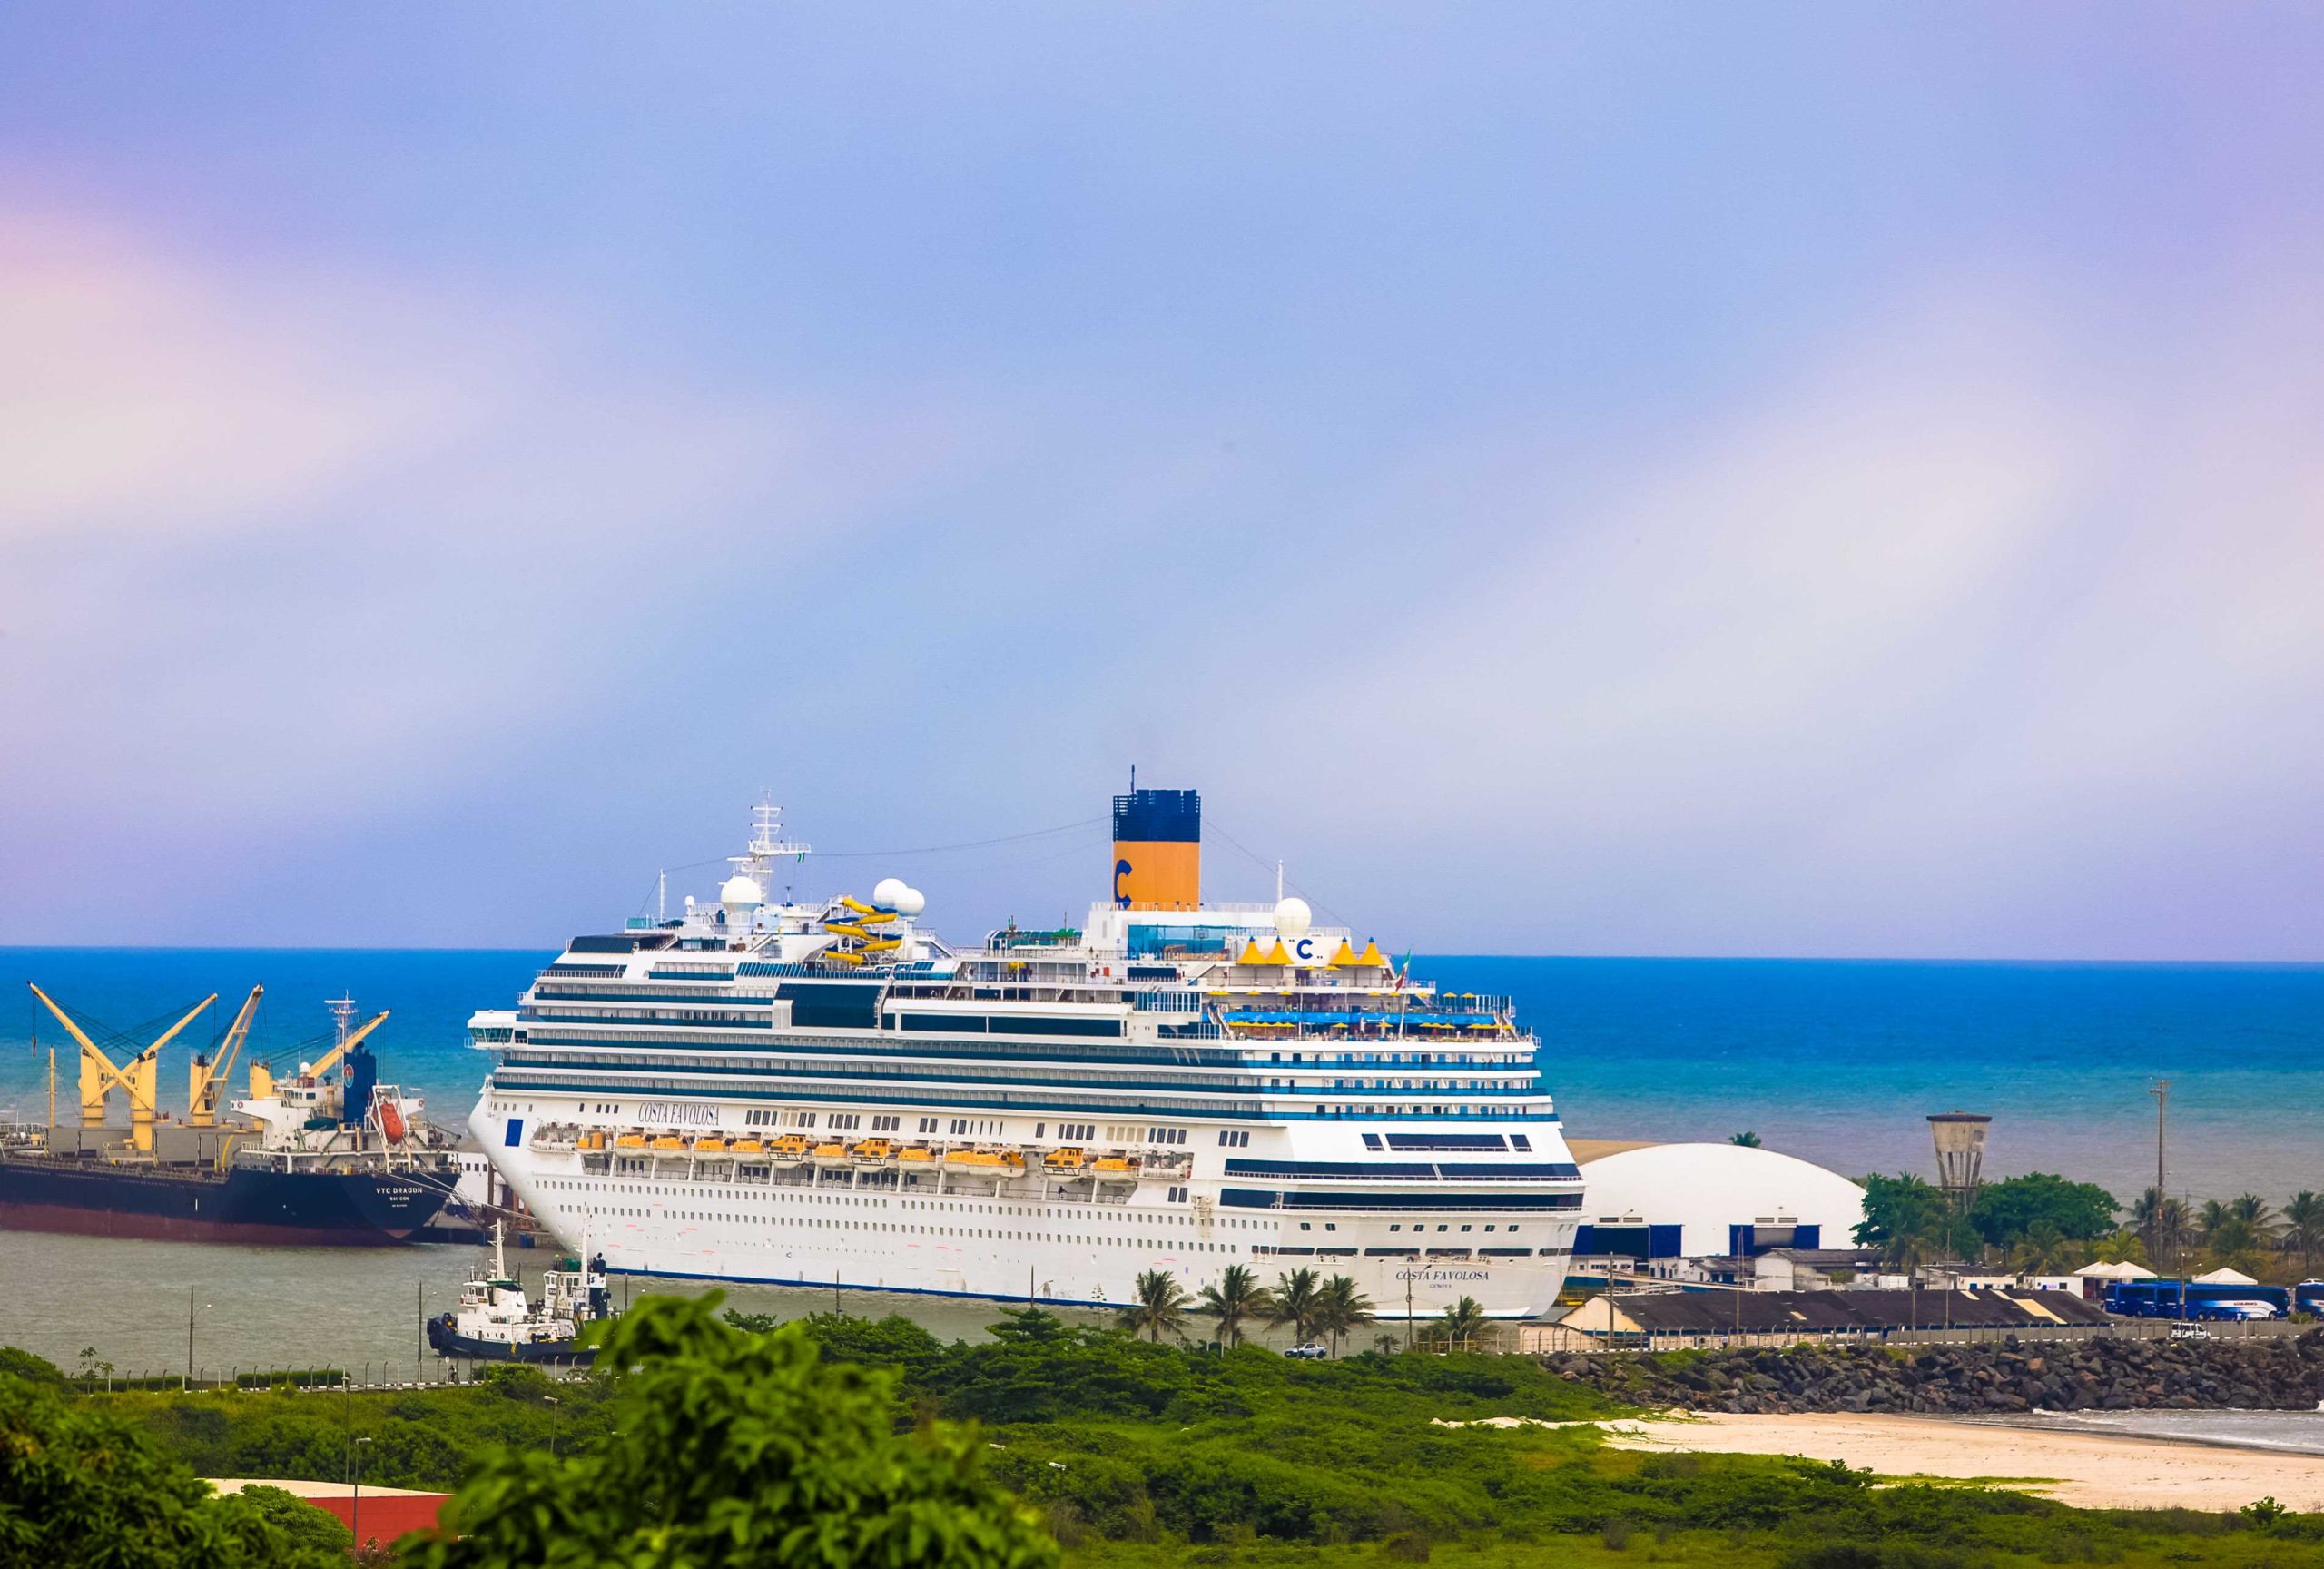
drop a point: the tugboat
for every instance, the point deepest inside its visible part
(495, 1323)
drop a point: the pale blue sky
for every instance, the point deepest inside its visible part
(1815, 480)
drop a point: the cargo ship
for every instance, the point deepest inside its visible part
(328, 1156)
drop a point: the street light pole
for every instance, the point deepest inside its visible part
(552, 1424)
(356, 1524)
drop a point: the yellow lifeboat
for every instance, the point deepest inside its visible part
(747, 1147)
(630, 1141)
(1113, 1163)
(1067, 1159)
(1013, 1158)
(973, 1157)
(709, 1146)
(669, 1141)
(874, 1149)
(915, 1152)
(832, 1151)
(790, 1144)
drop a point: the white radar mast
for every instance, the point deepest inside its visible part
(767, 844)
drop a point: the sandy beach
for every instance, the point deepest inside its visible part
(2089, 1470)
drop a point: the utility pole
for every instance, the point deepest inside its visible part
(189, 1341)
(2161, 1091)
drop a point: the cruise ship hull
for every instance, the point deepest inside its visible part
(827, 1231)
(242, 1204)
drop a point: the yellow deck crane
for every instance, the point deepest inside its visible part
(139, 1080)
(206, 1077)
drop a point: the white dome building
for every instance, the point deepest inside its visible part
(1705, 1201)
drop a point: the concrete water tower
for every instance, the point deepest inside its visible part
(1960, 1152)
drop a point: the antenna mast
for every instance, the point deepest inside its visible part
(767, 843)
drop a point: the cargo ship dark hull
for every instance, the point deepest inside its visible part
(242, 1204)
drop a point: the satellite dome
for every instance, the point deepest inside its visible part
(888, 892)
(1292, 917)
(911, 901)
(740, 890)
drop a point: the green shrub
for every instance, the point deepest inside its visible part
(79, 1486)
(16, 1363)
(306, 1527)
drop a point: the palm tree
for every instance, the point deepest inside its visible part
(2304, 1228)
(1342, 1309)
(1463, 1322)
(2225, 1230)
(1297, 1298)
(2165, 1226)
(1235, 1301)
(1158, 1305)
(1747, 1140)
(2123, 1245)
(2251, 1210)
(2046, 1250)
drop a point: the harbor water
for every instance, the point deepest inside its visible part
(360, 1309)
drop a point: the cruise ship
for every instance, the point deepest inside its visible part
(829, 1095)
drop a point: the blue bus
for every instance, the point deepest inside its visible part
(2308, 1297)
(2187, 1299)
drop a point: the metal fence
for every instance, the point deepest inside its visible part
(438, 1373)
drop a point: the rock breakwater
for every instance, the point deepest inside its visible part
(2277, 1374)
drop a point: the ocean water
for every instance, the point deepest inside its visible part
(1836, 1062)
(1840, 1062)
(2289, 1432)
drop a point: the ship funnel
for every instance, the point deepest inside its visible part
(1157, 850)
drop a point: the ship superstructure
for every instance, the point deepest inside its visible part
(827, 1094)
